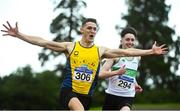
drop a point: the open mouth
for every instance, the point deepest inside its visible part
(91, 35)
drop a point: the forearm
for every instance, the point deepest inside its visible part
(32, 39)
(106, 74)
(113, 53)
(137, 52)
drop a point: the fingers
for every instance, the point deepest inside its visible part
(138, 89)
(9, 30)
(123, 66)
(164, 52)
(122, 69)
(155, 43)
(6, 27)
(9, 25)
(5, 35)
(16, 24)
(165, 49)
(4, 31)
(162, 45)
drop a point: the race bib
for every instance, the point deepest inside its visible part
(125, 82)
(83, 74)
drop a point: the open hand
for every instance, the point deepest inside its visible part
(159, 49)
(10, 31)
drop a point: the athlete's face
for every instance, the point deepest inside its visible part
(89, 31)
(128, 41)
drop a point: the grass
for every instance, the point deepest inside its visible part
(164, 106)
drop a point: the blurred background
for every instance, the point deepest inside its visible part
(30, 76)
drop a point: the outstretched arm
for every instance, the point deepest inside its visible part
(14, 32)
(113, 53)
(105, 70)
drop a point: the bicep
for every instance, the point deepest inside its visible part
(59, 47)
(106, 53)
(113, 53)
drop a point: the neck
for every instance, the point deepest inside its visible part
(85, 43)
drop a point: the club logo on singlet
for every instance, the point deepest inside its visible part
(76, 53)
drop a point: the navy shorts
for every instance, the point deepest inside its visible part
(113, 102)
(66, 94)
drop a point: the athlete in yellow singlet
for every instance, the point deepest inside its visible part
(82, 68)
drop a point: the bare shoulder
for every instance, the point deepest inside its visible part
(110, 61)
(102, 50)
(106, 60)
(67, 43)
(69, 46)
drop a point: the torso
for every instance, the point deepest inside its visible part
(124, 85)
(82, 69)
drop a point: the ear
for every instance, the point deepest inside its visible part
(121, 41)
(81, 30)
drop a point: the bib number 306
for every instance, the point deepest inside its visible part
(83, 76)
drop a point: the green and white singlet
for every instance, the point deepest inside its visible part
(124, 85)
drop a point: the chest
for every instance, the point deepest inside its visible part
(129, 62)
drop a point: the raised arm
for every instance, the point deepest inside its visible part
(105, 70)
(14, 32)
(113, 53)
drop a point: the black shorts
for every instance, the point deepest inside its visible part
(66, 94)
(113, 102)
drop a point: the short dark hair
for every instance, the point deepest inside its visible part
(127, 30)
(89, 20)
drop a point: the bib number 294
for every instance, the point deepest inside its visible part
(124, 84)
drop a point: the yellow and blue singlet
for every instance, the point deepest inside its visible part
(82, 69)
